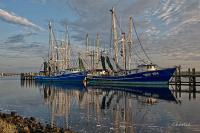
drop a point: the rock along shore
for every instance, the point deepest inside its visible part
(13, 123)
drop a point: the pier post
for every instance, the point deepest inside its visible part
(178, 78)
(189, 92)
(22, 82)
(176, 75)
(27, 76)
(194, 82)
(22, 76)
(194, 76)
(179, 75)
(176, 82)
(190, 83)
(189, 76)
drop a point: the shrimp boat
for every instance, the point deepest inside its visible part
(139, 76)
(145, 73)
(57, 66)
(66, 76)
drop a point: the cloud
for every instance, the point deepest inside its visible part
(18, 46)
(168, 29)
(24, 50)
(181, 26)
(169, 10)
(94, 16)
(11, 17)
(18, 38)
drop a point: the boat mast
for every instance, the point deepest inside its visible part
(124, 49)
(130, 42)
(52, 45)
(114, 35)
(97, 49)
(64, 50)
(63, 55)
(87, 44)
(57, 68)
(68, 50)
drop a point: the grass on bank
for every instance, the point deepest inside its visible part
(7, 128)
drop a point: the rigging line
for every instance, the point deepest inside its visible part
(139, 57)
(41, 66)
(85, 62)
(140, 41)
(73, 8)
(117, 3)
(135, 50)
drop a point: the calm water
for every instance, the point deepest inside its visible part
(98, 109)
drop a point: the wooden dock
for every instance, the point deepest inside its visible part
(186, 77)
(27, 76)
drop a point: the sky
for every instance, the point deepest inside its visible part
(169, 29)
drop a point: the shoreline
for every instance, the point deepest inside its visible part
(13, 123)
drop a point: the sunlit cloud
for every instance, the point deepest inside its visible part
(11, 17)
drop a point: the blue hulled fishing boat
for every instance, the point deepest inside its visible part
(57, 67)
(61, 85)
(145, 71)
(72, 76)
(150, 75)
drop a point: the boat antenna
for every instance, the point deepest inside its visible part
(134, 27)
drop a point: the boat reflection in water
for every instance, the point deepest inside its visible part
(98, 109)
(59, 96)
